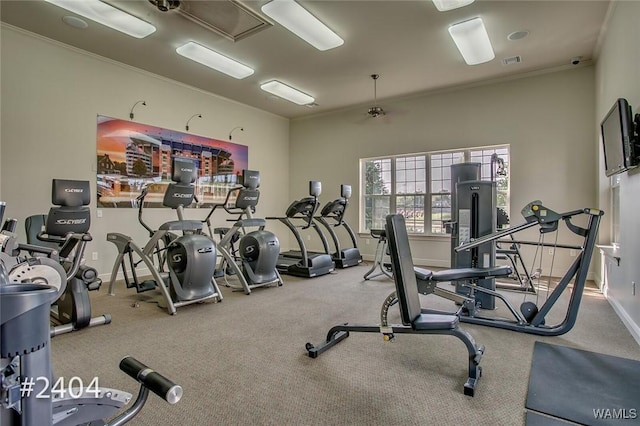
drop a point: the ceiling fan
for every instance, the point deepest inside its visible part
(165, 5)
(375, 110)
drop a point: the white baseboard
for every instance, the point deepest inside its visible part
(633, 328)
(140, 272)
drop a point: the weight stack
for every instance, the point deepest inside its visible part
(475, 217)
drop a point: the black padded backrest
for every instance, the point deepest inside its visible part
(178, 194)
(33, 225)
(62, 220)
(70, 193)
(181, 191)
(183, 170)
(72, 216)
(402, 264)
(247, 198)
(250, 179)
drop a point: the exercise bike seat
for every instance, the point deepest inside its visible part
(435, 322)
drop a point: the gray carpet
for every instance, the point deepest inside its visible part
(243, 361)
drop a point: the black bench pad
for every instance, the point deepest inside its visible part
(435, 322)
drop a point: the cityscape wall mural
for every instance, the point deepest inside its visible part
(132, 156)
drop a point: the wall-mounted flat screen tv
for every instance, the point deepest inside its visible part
(617, 134)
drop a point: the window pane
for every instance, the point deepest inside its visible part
(412, 208)
(440, 212)
(376, 215)
(375, 178)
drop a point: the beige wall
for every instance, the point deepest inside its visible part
(618, 76)
(546, 119)
(51, 95)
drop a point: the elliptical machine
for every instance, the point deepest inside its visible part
(254, 262)
(65, 230)
(25, 357)
(189, 259)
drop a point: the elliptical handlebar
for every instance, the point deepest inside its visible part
(223, 204)
(140, 200)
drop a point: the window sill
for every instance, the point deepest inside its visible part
(610, 252)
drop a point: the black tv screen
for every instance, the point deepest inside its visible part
(616, 130)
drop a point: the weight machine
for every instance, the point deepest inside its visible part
(531, 318)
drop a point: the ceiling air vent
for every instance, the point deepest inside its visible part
(512, 60)
(228, 18)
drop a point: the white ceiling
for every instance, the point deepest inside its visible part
(406, 42)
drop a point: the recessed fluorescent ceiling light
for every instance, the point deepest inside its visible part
(107, 15)
(287, 92)
(214, 60)
(444, 5)
(472, 41)
(299, 21)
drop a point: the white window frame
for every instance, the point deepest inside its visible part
(388, 195)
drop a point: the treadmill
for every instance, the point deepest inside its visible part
(303, 263)
(333, 212)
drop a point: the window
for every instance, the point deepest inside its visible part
(414, 184)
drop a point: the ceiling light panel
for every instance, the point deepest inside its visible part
(108, 15)
(444, 5)
(472, 41)
(287, 92)
(214, 60)
(299, 21)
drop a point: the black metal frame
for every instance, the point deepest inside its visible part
(414, 320)
(548, 221)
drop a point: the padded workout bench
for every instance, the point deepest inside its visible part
(413, 319)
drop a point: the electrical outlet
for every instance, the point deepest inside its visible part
(633, 288)
(94, 255)
(551, 252)
(308, 237)
(572, 253)
(99, 212)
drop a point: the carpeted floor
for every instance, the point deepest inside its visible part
(243, 361)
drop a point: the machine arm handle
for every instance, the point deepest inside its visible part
(493, 237)
(152, 380)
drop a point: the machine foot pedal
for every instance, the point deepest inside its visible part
(146, 286)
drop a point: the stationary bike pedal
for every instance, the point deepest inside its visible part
(94, 285)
